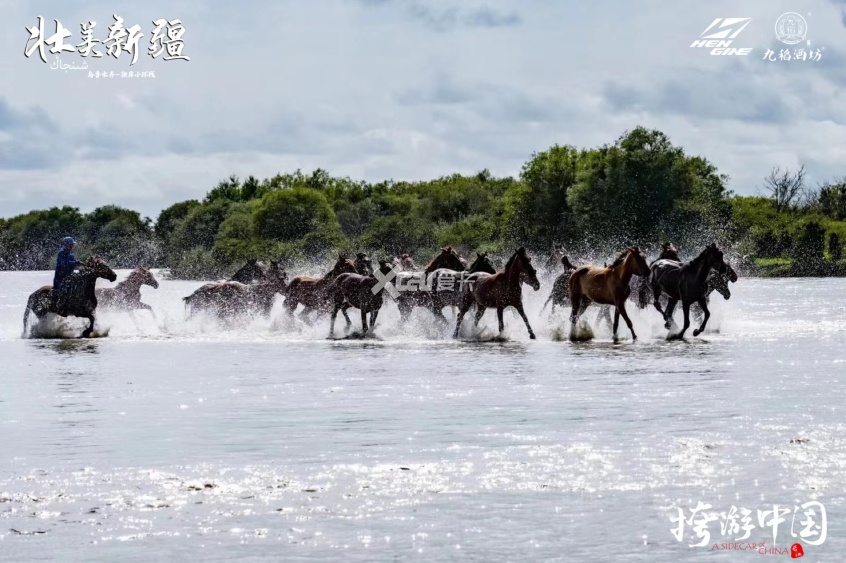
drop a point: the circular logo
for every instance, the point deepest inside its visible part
(791, 28)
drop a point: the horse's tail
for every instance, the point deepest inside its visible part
(643, 293)
(25, 320)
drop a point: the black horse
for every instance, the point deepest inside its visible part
(78, 298)
(686, 282)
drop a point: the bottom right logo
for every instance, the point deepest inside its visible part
(796, 551)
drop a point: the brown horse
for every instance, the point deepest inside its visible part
(126, 296)
(363, 264)
(79, 298)
(448, 287)
(313, 293)
(560, 294)
(254, 271)
(356, 290)
(228, 299)
(502, 289)
(447, 259)
(606, 286)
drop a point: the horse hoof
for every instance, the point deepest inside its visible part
(697, 332)
(532, 336)
(668, 324)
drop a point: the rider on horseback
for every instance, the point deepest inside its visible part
(66, 263)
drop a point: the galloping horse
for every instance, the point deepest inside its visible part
(80, 299)
(229, 299)
(313, 293)
(686, 282)
(126, 296)
(254, 271)
(560, 294)
(446, 259)
(502, 289)
(606, 286)
(356, 290)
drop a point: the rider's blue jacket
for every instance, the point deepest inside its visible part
(65, 264)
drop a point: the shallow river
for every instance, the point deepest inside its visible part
(165, 438)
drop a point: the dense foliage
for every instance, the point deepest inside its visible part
(639, 190)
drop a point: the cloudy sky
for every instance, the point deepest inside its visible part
(403, 89)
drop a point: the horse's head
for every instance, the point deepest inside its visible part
(719, 282)
(344, 265)
(714, 258)
(482, 264)
(385, 266)
(363, 264)
(565, 261)
(278, 279)
(732, 275)
(523, 262)
(446, 258)
(96, 266)
(636, 262)
(146, 277)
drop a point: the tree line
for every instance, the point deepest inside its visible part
(640, 189)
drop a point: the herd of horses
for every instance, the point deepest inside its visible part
(447, 281)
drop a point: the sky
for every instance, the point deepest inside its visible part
(403, 90)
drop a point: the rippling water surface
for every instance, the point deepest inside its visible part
(266, 441)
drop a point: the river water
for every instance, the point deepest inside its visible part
(164, 438)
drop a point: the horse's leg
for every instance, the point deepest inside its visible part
(466, 303)
(87, 332)
(525, 320)
(335, 310)
(363, 320)
(668, 313)
(621, 310)
(146, 307)
(373, 315)
(604, 315)
(480, 312)
(656, 294)
(686, 309)
(499, 312)
(703, 303)
(344, 308)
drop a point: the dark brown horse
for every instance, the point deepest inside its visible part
(356, 290)
(255, 271)
(79, 298)
(228, 299)
(686, 282)
(447, 259)
(126, 296)
(560, 294)
(313, 293)
(606, 286)
(363, 264)
(502, 289)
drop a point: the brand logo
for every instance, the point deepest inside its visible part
(719, 37)
(791, 28)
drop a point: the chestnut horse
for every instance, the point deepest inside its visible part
(126, 296)
(606, 286)
(502, 289)
(313, 293)
(78, 297)
(686, 282)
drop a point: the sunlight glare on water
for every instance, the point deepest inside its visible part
(166, 438)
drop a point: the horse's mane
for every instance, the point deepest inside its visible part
(438, 255)
(619, 259)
